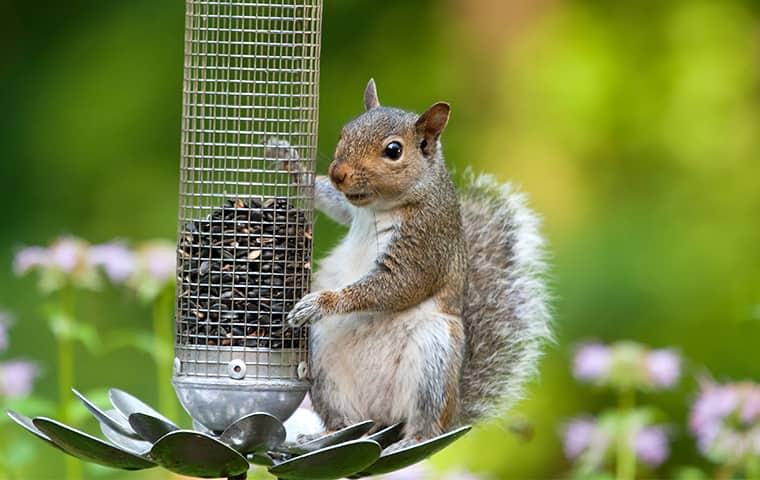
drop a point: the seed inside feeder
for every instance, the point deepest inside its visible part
(241, 270)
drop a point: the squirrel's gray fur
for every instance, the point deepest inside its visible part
(506, 314)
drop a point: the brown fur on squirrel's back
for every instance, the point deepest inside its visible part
(506, 313)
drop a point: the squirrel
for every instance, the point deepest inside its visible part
(433, 309)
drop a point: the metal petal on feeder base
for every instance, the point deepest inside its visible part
(128, 404)
(218, 402)
(26, 423)
(138, 447)
(330, 463)
(198, 455)
(411, 455)
(389, 435)
(86, 447)
(199, 427)
(349, 433)
(150, 428)
(254, 432)
(113, 418)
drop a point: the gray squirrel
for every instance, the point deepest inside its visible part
(433, 309)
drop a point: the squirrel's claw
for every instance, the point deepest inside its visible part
(305, 311)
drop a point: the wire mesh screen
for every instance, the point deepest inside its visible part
(244, 243)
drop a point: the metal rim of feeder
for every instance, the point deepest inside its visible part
(251, 76)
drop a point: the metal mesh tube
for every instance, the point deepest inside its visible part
(244, 243)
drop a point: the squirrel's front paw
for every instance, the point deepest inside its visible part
(280, 153)
(284, 158)
(311, 308)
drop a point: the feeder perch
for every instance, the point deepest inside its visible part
(251, 84)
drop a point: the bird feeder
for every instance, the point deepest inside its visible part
(251, 81)
(250, 105)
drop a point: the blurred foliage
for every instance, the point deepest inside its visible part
(634, 126)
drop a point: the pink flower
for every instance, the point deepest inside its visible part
(626, 365)
(155, 269)
(29, 258)
(651, 445)
(67, 254)
(578, 436)
(587, 441)
(750, 412)
(64, 262)
(17, 378)
(725, 420)
(115, 258)
(663, 367)
(592, 362)
(714, 404)
(160, 260)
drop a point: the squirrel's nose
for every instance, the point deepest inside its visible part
(339, 173)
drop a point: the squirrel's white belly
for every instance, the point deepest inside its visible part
(355, 256)
(374, 360)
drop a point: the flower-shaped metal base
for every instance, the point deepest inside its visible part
(140, 437)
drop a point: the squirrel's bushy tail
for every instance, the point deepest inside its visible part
(506, 313)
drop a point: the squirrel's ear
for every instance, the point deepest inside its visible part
(370, 95)
(431, 124)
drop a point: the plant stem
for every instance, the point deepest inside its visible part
(626, 458)
(163, 336)
(66, 372)
(5, 469)
(752, 469)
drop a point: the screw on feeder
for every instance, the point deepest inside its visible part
(244, 243)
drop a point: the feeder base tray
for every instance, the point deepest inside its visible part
(140, 438)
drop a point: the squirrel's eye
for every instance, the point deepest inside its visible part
(393, 150)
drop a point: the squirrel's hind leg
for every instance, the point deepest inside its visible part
(437, 399)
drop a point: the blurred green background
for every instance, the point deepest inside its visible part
(633, 126)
